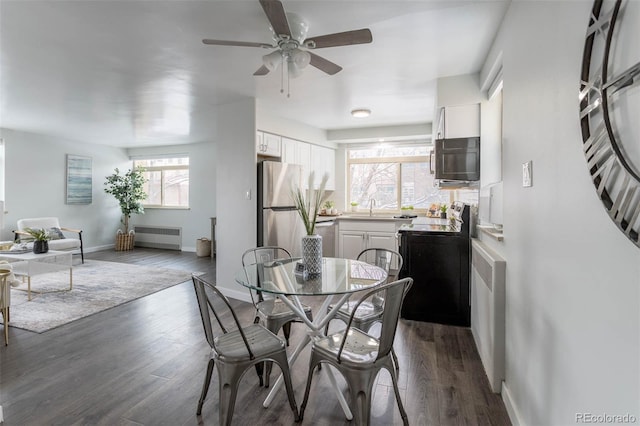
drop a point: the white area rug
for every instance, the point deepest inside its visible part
(97, 286)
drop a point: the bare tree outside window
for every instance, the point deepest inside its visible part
(392, 177)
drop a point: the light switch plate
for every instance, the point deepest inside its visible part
(527, 174)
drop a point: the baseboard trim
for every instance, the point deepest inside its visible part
(240, 294)
(512, 410)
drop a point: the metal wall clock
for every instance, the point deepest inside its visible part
(610, 110)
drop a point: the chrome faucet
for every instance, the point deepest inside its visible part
(372, 202)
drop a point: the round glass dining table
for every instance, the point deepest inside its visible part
(340, 278)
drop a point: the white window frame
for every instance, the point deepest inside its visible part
(162, 170)
(377, 160)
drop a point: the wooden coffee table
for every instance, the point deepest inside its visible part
(30, 264)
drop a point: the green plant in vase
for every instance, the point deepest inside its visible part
(443, 211)
(308, 203)
(330, 207)
(354, 206)
(40, 239)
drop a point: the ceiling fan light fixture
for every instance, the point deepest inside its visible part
(272, 60)
(361, 113)
(294, 70)
(301, 58)
(298, 27)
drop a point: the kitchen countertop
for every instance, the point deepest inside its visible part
(365, 216)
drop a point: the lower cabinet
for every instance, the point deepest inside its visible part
(355, 236)
(439, 266)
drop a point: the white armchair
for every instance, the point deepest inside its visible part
(7, 280)
(60, 239)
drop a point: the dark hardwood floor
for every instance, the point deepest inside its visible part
(143, 362)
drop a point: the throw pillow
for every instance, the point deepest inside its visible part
(56, 233)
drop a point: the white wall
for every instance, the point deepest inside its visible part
(195, 221)
(573, 279)
(458, 90)
(268, 122)
(236, 173)
(36, 183)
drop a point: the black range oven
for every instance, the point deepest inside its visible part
(436, 254)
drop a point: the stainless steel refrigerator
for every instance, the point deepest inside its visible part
(278, 221)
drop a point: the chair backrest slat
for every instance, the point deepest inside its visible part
(394, 293)
(211, 300)
(263, 255)
(383, 258)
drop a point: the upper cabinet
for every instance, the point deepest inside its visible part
(312, 158)
(459, 121)
(268, 144)
(323, 160)
(297, 152)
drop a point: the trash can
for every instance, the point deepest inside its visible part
(203, 247)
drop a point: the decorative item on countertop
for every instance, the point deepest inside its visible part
(354, 206)
(330, 208)
(407, 211)
(308, 208)
(40, 239)
(129, 191)
(443, 211)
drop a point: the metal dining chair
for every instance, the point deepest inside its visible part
(370, 311)
(234, 349)
(275, 314)
(360, 356)
(5, 301)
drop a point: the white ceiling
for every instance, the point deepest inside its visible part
(135, 73)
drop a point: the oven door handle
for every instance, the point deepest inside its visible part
(431, 157)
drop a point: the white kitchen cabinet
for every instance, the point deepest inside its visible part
(323, 160)
(289, 151)
(304, 159)
(458, 121)
(268, 144)
(357, 235)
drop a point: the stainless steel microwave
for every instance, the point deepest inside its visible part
(457, 159)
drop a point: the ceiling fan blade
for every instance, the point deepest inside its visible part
(278, 19)
(262, 71)
(236, 43)
(340, 39)
(324, 65)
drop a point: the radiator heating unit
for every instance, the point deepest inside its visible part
(488, 310)
(162, 237)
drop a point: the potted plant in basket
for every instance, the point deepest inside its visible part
(40, 239)
(308, 203)
(128, 189)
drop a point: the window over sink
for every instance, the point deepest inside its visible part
(391, 176)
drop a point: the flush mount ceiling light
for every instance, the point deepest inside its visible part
(361, 112)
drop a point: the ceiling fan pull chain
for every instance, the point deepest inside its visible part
(282, 77)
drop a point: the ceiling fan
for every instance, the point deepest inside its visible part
(290, 38)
